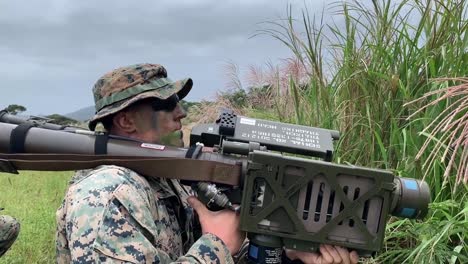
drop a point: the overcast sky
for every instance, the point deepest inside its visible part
(52, 51)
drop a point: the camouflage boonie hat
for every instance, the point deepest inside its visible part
(124, 86)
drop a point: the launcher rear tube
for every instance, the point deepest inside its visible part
(40, 140)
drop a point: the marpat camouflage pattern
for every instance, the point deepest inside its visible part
(113, 215)
(9, 230)
(124, 86)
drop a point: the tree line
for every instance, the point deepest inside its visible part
(15, 109)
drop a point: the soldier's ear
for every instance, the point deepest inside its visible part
(124, 121)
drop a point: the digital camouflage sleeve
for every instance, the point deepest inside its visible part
(113, 215)
(9, 230)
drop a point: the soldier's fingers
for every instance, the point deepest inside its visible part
(344, 253)
(354, 257)
(198, 206)
(305, 257)
(334, 254)
(326, 256)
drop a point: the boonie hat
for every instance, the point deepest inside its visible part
(124, 86)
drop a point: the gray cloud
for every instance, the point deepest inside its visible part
(52, 51)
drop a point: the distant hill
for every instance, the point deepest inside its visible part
(83, 114)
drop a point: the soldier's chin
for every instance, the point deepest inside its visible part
(174, 139)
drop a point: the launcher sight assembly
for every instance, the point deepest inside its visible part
(241, 135)
(286, 198)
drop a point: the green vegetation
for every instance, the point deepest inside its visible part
(15, 109)
(33, 197)
(188, 105)
(62, 120)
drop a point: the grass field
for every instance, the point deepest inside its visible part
(33, 197)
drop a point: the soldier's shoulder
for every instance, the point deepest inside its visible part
(6, 219)
(108, 176)
(113, 170)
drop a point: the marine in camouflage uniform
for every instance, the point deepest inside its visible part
(9, 230)
(111, 214)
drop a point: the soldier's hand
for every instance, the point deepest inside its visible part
(224, 224)
(328, 255)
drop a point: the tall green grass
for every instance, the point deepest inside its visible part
(33, 197)
(441, 238)
(379, 58)
(364, 76)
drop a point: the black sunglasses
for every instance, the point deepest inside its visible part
(167, 105)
